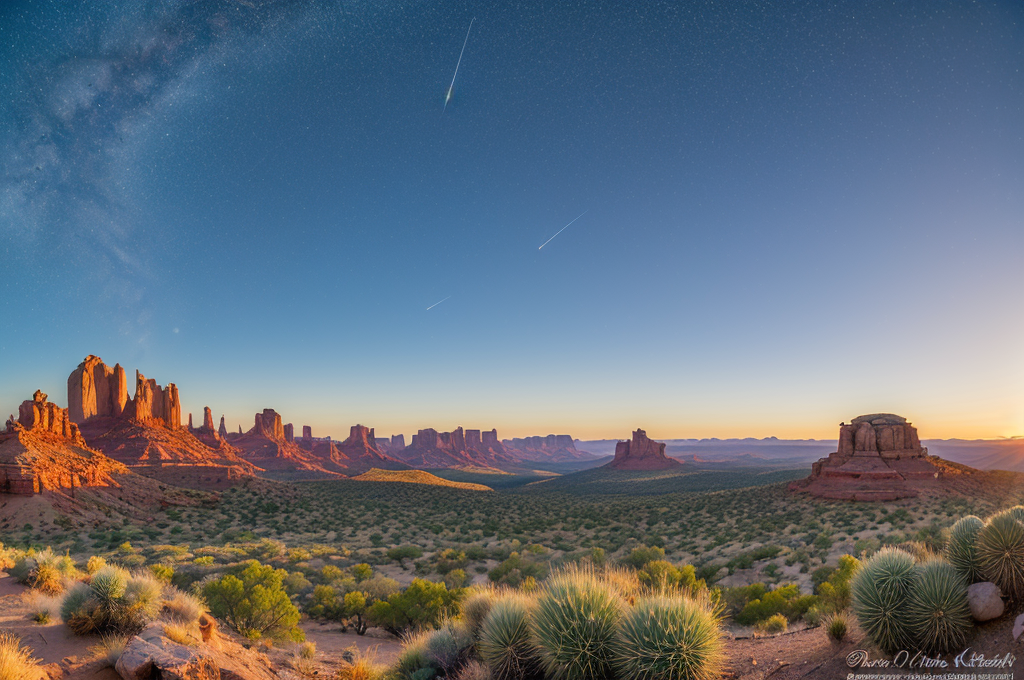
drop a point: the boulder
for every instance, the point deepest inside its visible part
(158, 657)
(985, 600)
(1018, 627)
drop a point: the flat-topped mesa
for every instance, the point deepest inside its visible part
(95, 389)
(360, 441)
(268, 424)
(641, 453)
(39, 415)
(458, 448)
(878, 454)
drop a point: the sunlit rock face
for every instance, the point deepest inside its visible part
(879, 457)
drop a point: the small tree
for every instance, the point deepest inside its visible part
(255, 603)
(423, 603)
(355, 609)
(362, 571)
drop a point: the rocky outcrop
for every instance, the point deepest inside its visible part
(208, 420)
(879, 458)
(151, 654)
(268, 424)
(95, 389)
(289, 432)
(554, 448)
(458, 448)
(641, 453)
(39, 415)
(154, 405)
(362, 452)
(222, 431)
(266, 446)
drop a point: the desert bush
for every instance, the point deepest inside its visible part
(515, 569)
(575, 625)
(662, 574)
(354, 606)
(404, 552)
(641, 555)
(836, 626)
(960, 549)
(363, 666)
(114, 601)
(183, 608)
(423, 603)
(776, 623)
(110, 648)
(448, 647)
(44, 608)
(94, 564)
(938, 612)
(474, 670)
(16, 661)
(880, 593)
(1000, 552)
(412, 662)
(504, 641)
(254, 602)
(834, 592)
(164, 572)
(670, 637)
(475, 606)
(786, 600)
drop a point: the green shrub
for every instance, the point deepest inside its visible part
(412, 662)
(670, 638)
(514, 570)
(164, 572)
(504, 642)
(836, 626)
(641, 555)
(447, 647)
(575, 625)
(776, 623)
(475, 607)
(835, 591)
(404, 552)
(786, 600)
(938, 611)
(881, 592)
(113, 602)
(254, 602)
(1000, 551)
(423, 603)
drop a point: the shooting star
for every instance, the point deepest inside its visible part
(451, 88)
(562, 229)
(438, 302)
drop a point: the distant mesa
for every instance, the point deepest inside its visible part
(554, 448)
(265, 445)
(458, 448)
(879, 458)
(641, 453)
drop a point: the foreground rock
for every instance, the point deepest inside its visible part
(641, 453)
(985, 600)
(152, 655)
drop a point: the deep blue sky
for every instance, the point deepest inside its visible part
(796, 212)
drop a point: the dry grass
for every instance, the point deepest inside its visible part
(181, 634)
(363, 666)
(16, 661)
(110, 648)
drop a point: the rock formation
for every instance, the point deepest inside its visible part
(641, 453)
(554, 448)
(879, 458)
(269, 424)
(458, 448)
(39, 415)
(154, 405)
(95, 389)
(266, 445)
(208, 420)
(289, 432)
(363, 453)
(222, 430)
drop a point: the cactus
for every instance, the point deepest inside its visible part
(575, 625)
(881, 590)
(671, 638)
(504, 643)
(938, 611)
(1000, 551)
(960, 548)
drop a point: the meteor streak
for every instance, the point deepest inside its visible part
(562, 229)
(451, 88)
(437, 303)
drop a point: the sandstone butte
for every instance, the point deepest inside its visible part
(641, 453)
(42, 451)
(880, 458)
(145, 431)
(470, 448)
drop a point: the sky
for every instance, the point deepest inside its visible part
(793, 213)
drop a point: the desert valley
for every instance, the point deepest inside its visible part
(368, 541)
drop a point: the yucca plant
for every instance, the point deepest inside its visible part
(114, 601)
(938, 611)
(961, 551)
(881, 590)
(669, 638)
(1000, 550)
(575, 625)
(504, 642)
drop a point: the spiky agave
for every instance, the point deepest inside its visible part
(671, 638)
(504, 642)
(938, 611)
(880, 591)
(575, 626)
(1000, 551)
(961, 551)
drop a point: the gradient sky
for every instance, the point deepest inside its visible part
(797, 212)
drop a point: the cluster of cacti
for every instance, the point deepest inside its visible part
(938, 613)
(881, 591)
(1000, 552)
(582, 624)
